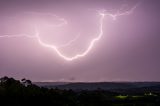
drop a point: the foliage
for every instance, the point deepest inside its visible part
(24, 93)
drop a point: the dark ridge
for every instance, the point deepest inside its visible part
(25, 93)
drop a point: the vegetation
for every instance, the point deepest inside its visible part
(24, 93)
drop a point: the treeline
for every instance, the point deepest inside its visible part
(24, 93)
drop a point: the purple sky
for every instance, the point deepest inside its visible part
(129, 49)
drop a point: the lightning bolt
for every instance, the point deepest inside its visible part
(77, 55)
(119, 13)
(17, 35)
(70, 42)
(101, 13)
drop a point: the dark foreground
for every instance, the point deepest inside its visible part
(24, 93)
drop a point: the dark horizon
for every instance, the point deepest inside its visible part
(128, 49)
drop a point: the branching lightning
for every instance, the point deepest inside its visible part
(17, 35)
(119, 13)
(101, 13)
(77, 55)
(70, 42)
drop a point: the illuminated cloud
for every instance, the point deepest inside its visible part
(102, 14)
(92, 40)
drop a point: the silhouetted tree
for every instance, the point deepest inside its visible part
(24, 93)
(26, 82)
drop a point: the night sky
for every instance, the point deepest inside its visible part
(129, 49)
